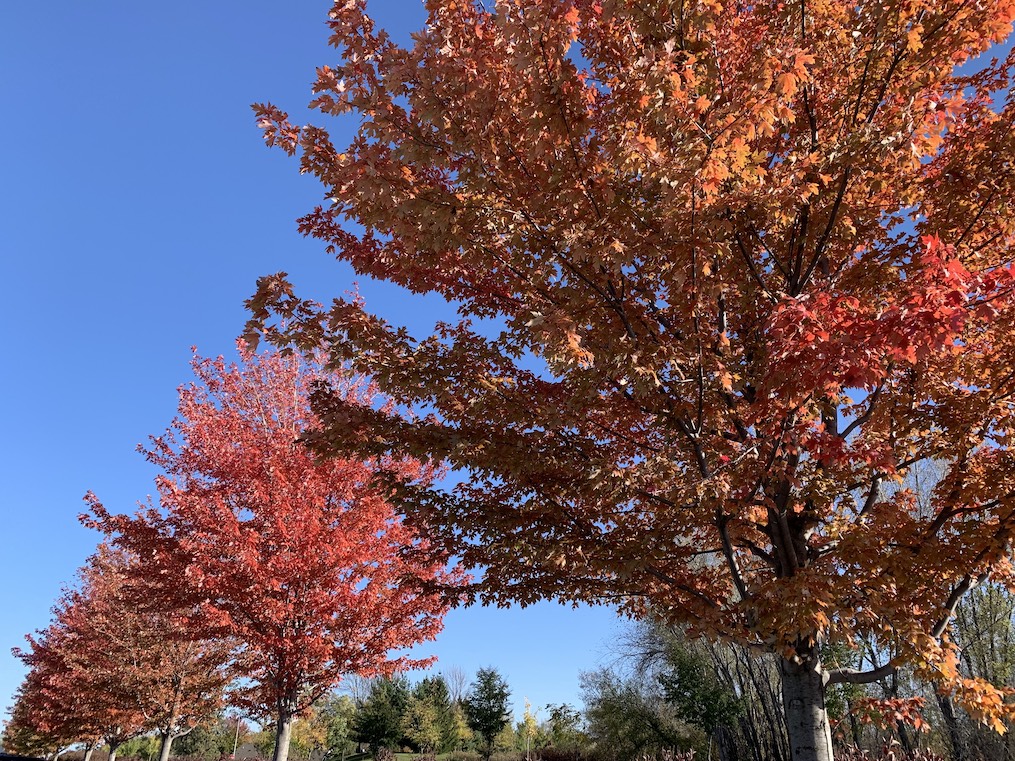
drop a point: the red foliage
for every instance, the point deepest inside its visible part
(301, 560)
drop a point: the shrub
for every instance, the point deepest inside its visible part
(888, 753)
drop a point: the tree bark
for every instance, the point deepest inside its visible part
(283, 731)
(88, 752)
(952, 724)
(167, 745)
(803, 695)
(113, 747)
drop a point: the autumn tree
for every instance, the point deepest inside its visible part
(80, 686)
(740, 267)
(154, 661)
(31, 729)
(302, 562)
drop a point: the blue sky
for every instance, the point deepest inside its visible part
(137, 209)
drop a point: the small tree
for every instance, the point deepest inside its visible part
(486, 707)
(420, 724)
(301, 561)
(434, 691)
(379, 720)
(565, 724)
(528, 729)
(629, 716)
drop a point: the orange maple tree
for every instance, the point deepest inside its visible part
(746, 264)
(47, 717)
(303, 562)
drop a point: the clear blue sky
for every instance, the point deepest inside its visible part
(137, 209)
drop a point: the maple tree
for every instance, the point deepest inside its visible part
(745, 265)
(110, 668)
(154, 661)
(31, 729)
(80, 685)
(303, 562)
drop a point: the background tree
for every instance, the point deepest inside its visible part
(727, 691)
(420, 724)
(565, 727)
(213, 739)
(629, 716)
(528, 730)
(486, 707)
(379, 721)
(433, 691)
(338, 713)
(744, 265)
(301, 561)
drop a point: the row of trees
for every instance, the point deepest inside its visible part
(670, 693)
(740, 270)
(259, 561)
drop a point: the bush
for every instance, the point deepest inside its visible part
(464, 755)
(888, 753)
(563, 754)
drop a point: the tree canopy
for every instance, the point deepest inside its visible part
(302, 561)
(740, 268)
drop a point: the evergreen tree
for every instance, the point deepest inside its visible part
(486, 707)
(379, 721)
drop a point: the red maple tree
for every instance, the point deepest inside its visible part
(110, 666)
(152, 658)
(749, 263)
(303, 561)
(46, 717)
(84, 669)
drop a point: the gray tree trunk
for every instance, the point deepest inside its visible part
(803, 695)
(88, 752)
(167, 745)
(113, 747)
(283, 732)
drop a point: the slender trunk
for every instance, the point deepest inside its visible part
(854, 725)
(952, 725)
(166, 735)
(283, 731)
(167, 745)
(113, 747)
(904, 739)
(803, 695)
(88, 752)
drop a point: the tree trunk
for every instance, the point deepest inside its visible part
(803, 695)
(283, 731)
(952, 724)
(113, 747)
(88, 752)
(167, 744)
